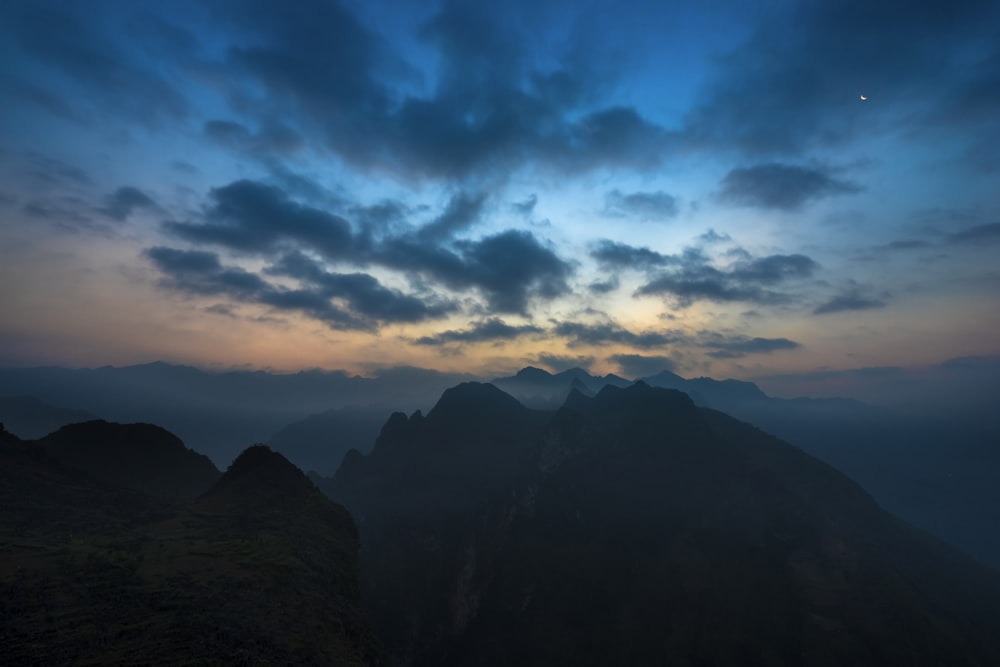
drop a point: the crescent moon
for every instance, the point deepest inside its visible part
(863, 98)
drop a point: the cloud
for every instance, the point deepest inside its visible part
(746, 280)
(648, 206)
(463, 210)
(638, 365)
(616, 256)
(362, 292)
(363, 302)
(604, 286)
(510, 268)
(253, 217)
(740, 346)
(580, 333)
(492, 108)
(492, 330)
(854, 297)
(120, 204)
(979, 234)
(781, 186)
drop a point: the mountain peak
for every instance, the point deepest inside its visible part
(532, 373)
(471, 399)
(257, 476)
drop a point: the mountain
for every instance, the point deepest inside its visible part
(635, 527)
(31, 418)
(138, 456)
(319, 441)
(261, 570)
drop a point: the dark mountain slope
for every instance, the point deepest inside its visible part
(637, 528)
(262, 570)
(139, 456)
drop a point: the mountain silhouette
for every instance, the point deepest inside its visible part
(635, 527)
(144, 457)
(260, 570)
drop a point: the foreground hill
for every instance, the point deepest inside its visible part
(143, 457)
(634, 527)
(261, 570)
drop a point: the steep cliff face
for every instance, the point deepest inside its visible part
(634, 527)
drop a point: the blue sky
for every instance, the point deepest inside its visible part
(622, 186)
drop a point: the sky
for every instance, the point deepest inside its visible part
(753, 190)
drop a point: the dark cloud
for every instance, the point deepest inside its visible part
(854, 297)
(581, 333)
(493, 330)
(794, 84)
(781, 186)
(648, 206)
(711, 237)
(735, 347)
(362, 292)
(120, 204)
(774, 269)
(617, 256)
(510, 268)
(744, 281)
(363, 301)
(979, 234)
(463, 210)
(253, 217)
(604, 286)
(638, 365)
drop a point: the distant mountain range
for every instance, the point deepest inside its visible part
(634, 527)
